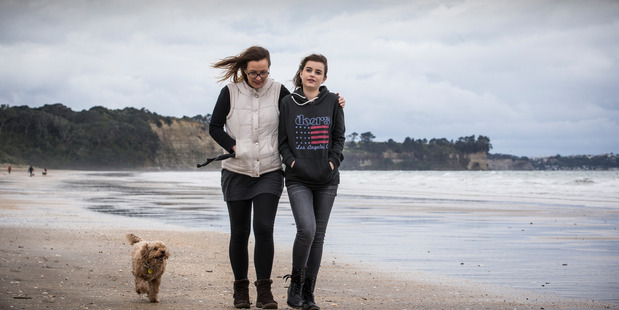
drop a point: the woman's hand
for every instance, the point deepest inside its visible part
(341, 100)
(332, 166)
(292, 165)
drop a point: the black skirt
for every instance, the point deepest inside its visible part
(237, 186)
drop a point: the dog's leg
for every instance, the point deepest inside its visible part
(141, 286)
(153, 292)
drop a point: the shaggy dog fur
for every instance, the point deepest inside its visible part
(149, 260)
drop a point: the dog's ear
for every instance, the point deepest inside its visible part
(145, 250)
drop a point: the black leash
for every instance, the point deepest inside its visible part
(220, 157)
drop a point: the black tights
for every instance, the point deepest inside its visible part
(265, 208)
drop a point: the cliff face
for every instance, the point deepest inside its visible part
(509, 164)
(184, 143)
(477, 161)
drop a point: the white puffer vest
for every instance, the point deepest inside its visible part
(253, 122)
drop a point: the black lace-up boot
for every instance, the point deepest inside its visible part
(308, 293)
(295, 289)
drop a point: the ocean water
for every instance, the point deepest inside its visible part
(551, 232)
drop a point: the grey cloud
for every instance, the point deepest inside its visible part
(537, 77)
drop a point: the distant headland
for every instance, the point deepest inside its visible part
(56, 137)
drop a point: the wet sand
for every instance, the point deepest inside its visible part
(55, 254)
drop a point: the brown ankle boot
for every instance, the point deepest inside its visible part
(265, 297)
(241, 294)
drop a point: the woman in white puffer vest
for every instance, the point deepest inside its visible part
(248, 108)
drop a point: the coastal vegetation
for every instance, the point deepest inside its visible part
(467, 153)
(55, 136)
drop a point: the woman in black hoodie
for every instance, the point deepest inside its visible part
(311, 141)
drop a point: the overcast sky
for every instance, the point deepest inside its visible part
(536, 77)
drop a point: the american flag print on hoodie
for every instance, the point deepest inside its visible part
(312, 133)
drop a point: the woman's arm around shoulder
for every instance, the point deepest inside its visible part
(283, 92)
(284, 147)
(218, 121)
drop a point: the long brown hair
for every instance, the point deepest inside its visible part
(235, 66)
(313, 57)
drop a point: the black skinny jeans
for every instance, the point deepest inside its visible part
(311, 209)
(265, 209)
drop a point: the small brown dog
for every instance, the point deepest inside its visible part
(149, 260)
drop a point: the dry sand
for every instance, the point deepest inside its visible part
(56, 255)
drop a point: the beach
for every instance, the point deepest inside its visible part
(58, 254)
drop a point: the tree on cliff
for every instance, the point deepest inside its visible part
(470, 145)
(353, 137)
(367, 137)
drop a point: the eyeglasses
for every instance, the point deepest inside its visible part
(254, 74)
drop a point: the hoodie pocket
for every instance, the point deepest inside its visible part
(312, 170)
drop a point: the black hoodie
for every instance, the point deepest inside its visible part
(311, 134)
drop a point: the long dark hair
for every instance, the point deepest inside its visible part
(235, 66)
(313, 57)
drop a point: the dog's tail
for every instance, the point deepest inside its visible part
(133, 239)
